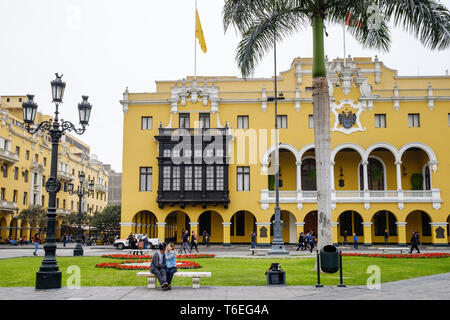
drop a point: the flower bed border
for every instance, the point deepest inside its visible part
(434, 255)
(182, 256)
(122, 266)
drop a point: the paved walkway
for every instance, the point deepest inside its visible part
(436, 287)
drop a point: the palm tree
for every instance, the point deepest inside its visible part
(258, 21)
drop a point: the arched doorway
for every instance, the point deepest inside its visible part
(242, 224)
(4, 229)
(415, 169)
(289, 228)
(212, 222)
(448, 229)
(350, 222)
(13, 229)
(311, 222)
(384, 220)
(176, 223)
(419, 221)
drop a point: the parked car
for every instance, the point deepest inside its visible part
(123, 243)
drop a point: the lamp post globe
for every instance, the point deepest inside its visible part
(84, 111)
(29, 109)
(58, 87)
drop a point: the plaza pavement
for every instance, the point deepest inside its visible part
(436, 287)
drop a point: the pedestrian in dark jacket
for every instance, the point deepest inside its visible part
(386, 237)
(158, 266)
(301, 241)
(414, 242)
(193, 242)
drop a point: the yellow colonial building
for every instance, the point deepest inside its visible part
(197, 155)
(25, 167)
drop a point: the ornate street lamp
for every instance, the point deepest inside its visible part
(277, 242)
(83, 189)
(49, 275)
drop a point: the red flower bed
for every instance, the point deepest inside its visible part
(122, 266)
(434, 255)
(183, 256)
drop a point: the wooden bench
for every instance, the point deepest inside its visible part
(385, 250)
(139, 251)
(263, 250)
(194, 275)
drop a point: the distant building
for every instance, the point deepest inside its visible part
(115, 186)
(25, 162)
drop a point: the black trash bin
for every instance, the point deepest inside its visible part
(329, 259)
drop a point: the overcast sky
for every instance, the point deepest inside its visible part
(102, 46)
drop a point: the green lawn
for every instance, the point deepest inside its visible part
(19, 272)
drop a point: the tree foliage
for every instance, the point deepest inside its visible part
(35, 216)
(107, 220)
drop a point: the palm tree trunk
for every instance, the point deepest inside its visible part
(322, 137)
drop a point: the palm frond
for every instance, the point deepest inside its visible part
(241, 13)
(258, 38)
(428, 20)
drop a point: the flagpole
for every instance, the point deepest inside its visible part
(345, 56)
(195, 43)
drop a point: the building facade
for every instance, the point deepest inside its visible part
(197, 155)
(25, 167)
(115, 186)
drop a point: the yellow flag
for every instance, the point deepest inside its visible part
(199, 33)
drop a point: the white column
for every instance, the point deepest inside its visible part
(332, 175)
(399, 175)
(299, 175)
(365, 175)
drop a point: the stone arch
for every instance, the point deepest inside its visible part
(212, 222)
(382, 145)
(419, 221)
(265, 161)
(144, 222)
(13, 231)
(431, 155)
(384, 220)
(243, 222)
(343, 146)
(305, 149)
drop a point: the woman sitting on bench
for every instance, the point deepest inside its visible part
(158, 267)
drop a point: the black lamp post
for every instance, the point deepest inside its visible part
(80, 192)
(49, 275)
(277, 242)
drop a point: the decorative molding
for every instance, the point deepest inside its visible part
(396, 101)
(263, 100)
(438, 224)
(125, 103)
(297, 99)
(401, 224)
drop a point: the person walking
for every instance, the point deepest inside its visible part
(181, 243)
(146, 242)
(193, 242)
(386, 237)
(64, 239)
(36, 240)
(253, 241)
(207, 239)
(345, 237)
(158, 266)
(311, 241)
(185, 242)
(355, 241)
(300, 241)
(171, 266)
(204, 236)
(414, 242)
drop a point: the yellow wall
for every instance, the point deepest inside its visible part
(239, 97)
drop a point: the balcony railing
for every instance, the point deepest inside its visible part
(64, 175)
(63, 212)
(7, 206)
(8, 157)
(356, 196)
(101, 188)
(192, 131)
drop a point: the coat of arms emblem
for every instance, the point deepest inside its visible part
(347, 120)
